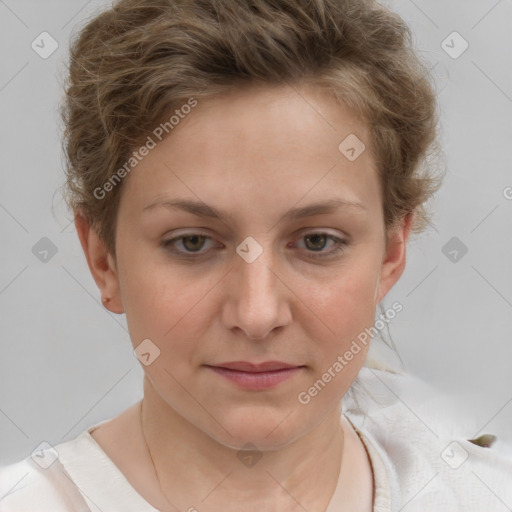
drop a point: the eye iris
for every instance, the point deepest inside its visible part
(195, 239)
(315, 238)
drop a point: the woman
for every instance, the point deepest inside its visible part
(245, 177)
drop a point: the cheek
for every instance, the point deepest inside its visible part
(347, 304)
(347, 308)
(165, 304)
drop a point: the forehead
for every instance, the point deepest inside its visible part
(259, 148)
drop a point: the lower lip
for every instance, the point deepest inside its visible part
(256, 380)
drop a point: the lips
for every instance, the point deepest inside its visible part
(256, 376)
(245, 366)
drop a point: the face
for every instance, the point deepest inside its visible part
(265, 280)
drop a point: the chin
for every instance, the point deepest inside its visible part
(265, 432)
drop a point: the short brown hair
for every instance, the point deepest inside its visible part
(143, 58)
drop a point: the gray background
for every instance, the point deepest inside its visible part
(67, 363)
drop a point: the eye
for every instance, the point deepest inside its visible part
(192, 243)
(317, 241)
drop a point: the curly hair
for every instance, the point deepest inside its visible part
(136, 62)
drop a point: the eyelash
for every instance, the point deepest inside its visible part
(342, 244)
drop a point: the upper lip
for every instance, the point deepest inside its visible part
(245, 366)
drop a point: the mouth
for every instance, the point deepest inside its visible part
(251, 376)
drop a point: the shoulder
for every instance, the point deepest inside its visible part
(39, 483)
(427, 445)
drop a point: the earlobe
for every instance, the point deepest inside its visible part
(101, 264)
(394, 261)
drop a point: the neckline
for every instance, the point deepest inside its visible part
(97, 477)
(381, 481)
(120, 494)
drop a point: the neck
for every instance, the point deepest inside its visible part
(194, 470)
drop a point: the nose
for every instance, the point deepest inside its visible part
(257, 298)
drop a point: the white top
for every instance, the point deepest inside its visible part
(416, 464)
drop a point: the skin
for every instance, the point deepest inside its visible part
(254, 153)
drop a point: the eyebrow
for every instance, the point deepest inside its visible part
(203, 210)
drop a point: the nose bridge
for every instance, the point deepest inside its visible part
(257, 300)
(255, 279)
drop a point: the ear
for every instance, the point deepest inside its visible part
(101, 264)
(394, 261)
